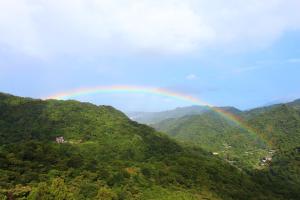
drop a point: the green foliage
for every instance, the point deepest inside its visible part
(57, 190)
(105, 193)
(107, 156)
(214, 133)
(283, 175)
(155, 117)
(280, 126)
(277, 135)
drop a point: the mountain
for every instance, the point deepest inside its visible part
(214, 133)
(283, 172)
(71, 150)
(271, 148)
(276, 126)
(295, 104)
(280, 125)
(156, 117)
(230, 109)
(260, 110)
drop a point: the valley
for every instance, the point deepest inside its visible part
(84, 151)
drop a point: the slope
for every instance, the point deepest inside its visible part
(156, 117)
(277, 138)
(214, 133)
(105, 156)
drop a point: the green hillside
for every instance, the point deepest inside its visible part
(295, 104)
(280, 125)
(105, 155)
(218, 135)
(275, 127)
(283, 174)
(277, 137)
(155, 117)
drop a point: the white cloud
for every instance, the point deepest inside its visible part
(17, 29)
(191, 77)
(75, 27)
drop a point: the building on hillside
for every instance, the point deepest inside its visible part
(266, 159)
(60, 140)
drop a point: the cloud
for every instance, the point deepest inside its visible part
(95, 27)
(191, 77)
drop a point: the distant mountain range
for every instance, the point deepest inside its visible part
(213, 132)
(155, 117)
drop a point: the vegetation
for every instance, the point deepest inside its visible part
(105, 155)
(280, 126)
(218, 135)
(283, 174)
(275, 135)
(156, 117)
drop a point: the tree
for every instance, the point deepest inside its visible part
(58, 190)
(105, 193)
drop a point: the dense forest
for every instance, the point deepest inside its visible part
(269, 151)
(156, 117)
(218, 135)
(71, 150)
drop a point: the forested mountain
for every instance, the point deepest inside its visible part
(276, 126)
(256, 111)
(295, 104)
(283, 173)
(279, 125)
(156, 117)
(272, 145)
(214, 133)
(71, 150)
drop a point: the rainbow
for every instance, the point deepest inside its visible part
(149, 90)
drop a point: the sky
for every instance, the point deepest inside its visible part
(223, 52)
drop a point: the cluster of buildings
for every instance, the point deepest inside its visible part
(267, 159)
(60, 140)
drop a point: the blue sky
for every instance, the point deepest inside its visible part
(244, 54)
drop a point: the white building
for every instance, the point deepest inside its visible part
(60, 140)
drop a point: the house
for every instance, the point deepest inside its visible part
(269, 158)
(60, 140)
(266, 159)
